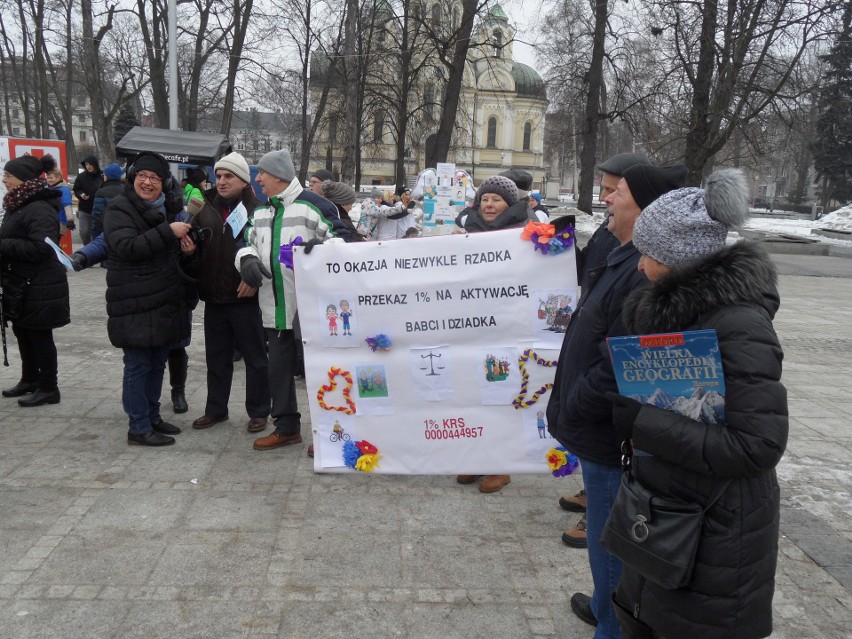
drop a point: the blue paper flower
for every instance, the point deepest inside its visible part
(351, 453)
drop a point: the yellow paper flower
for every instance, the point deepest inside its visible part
(367, 463)
(556, 459)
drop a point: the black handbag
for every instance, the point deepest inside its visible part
(655, 536)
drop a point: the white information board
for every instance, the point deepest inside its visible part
(474, 325)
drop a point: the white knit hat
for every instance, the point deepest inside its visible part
(236, 164)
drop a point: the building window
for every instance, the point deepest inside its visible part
(436, 16)
(81, 117)
(16, 131)
(492, 132)
(15, 113)
(82, 136)
(498, 43)
(332, 127)
(527, 136)
(378, 127)
(429, 103)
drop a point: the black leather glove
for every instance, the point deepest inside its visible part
(70, 225)
(79, 261)
(252, 271)
(310, 244)
(624, 413)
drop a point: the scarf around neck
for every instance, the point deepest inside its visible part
(34, 189)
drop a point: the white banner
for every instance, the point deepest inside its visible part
(466, 330)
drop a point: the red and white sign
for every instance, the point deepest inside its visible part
(11, 148)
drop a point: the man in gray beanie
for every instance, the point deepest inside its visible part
(231, 321)
(579, 415)
(317, 178)
(311, 218)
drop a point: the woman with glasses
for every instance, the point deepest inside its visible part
(146, 291)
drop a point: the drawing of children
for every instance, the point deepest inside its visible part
(331, 315)
(541, 424)
(345, 314)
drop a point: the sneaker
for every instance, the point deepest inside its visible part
(575, 503)
(576, 536)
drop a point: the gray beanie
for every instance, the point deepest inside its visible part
(323, 175)
(687, 224)
(376, 193)
(236, 164)
(278, 164)
(499, 185)
(338, 192)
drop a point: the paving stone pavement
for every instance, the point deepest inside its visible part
(209, 538)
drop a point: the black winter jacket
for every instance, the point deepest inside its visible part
(218, 280)
(146, 294)
(730, 595)
(578, 414)
(26, 257)
(88, 183)
(593, 255)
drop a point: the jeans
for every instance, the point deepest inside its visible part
(601, 483)
(142, 384)
(85, 226)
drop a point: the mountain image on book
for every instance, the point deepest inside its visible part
(680, 372)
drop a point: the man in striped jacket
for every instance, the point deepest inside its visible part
(292, 212)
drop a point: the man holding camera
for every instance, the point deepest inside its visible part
(231, 320)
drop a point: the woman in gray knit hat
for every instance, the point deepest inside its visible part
(698, 282)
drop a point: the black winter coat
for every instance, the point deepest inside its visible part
(88, 183)
(218, 280)
(26, 257)
(146, 289)
(730, 595)
(578, 414)
(593, 255)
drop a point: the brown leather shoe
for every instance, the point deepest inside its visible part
(493, 483)
(574, 503)
(311, 451)
(206, 421)
(467, 479)
(257, 424)
(576, 536)
(275, 440)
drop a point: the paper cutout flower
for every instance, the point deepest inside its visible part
(380, 342)
(520, 400)
(561, 462)
(545, 238)
(361, 455)
(333, 372)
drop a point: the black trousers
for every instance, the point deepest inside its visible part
(226, 327)
(38, 356)
(282, 383)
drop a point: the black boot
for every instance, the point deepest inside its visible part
(20, 389)
(178, 363)
(40, 397)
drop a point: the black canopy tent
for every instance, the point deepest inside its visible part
(182, 147)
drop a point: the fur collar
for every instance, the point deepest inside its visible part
(738, 275)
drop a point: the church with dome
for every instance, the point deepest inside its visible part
(500, 119)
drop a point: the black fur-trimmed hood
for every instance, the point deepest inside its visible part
(738, 275)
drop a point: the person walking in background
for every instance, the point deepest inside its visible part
(35, 284)
(700, 283)
(230, 320)
(66, 210)
(579, 416)
(591, 259)
(146, 291)
(85, 186)
(112, 187)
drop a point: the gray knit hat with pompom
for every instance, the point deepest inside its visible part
(687, 224)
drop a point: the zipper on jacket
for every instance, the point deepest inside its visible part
(637, 606)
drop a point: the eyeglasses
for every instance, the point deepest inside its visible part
(153, 179)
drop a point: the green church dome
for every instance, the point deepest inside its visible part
(528, 83)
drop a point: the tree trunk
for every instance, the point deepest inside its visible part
(241, 21)
(350, 124)
(443, 138)
(592, 114)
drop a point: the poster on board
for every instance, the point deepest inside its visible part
(438, 351)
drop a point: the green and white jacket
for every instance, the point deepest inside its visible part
(286, 217)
